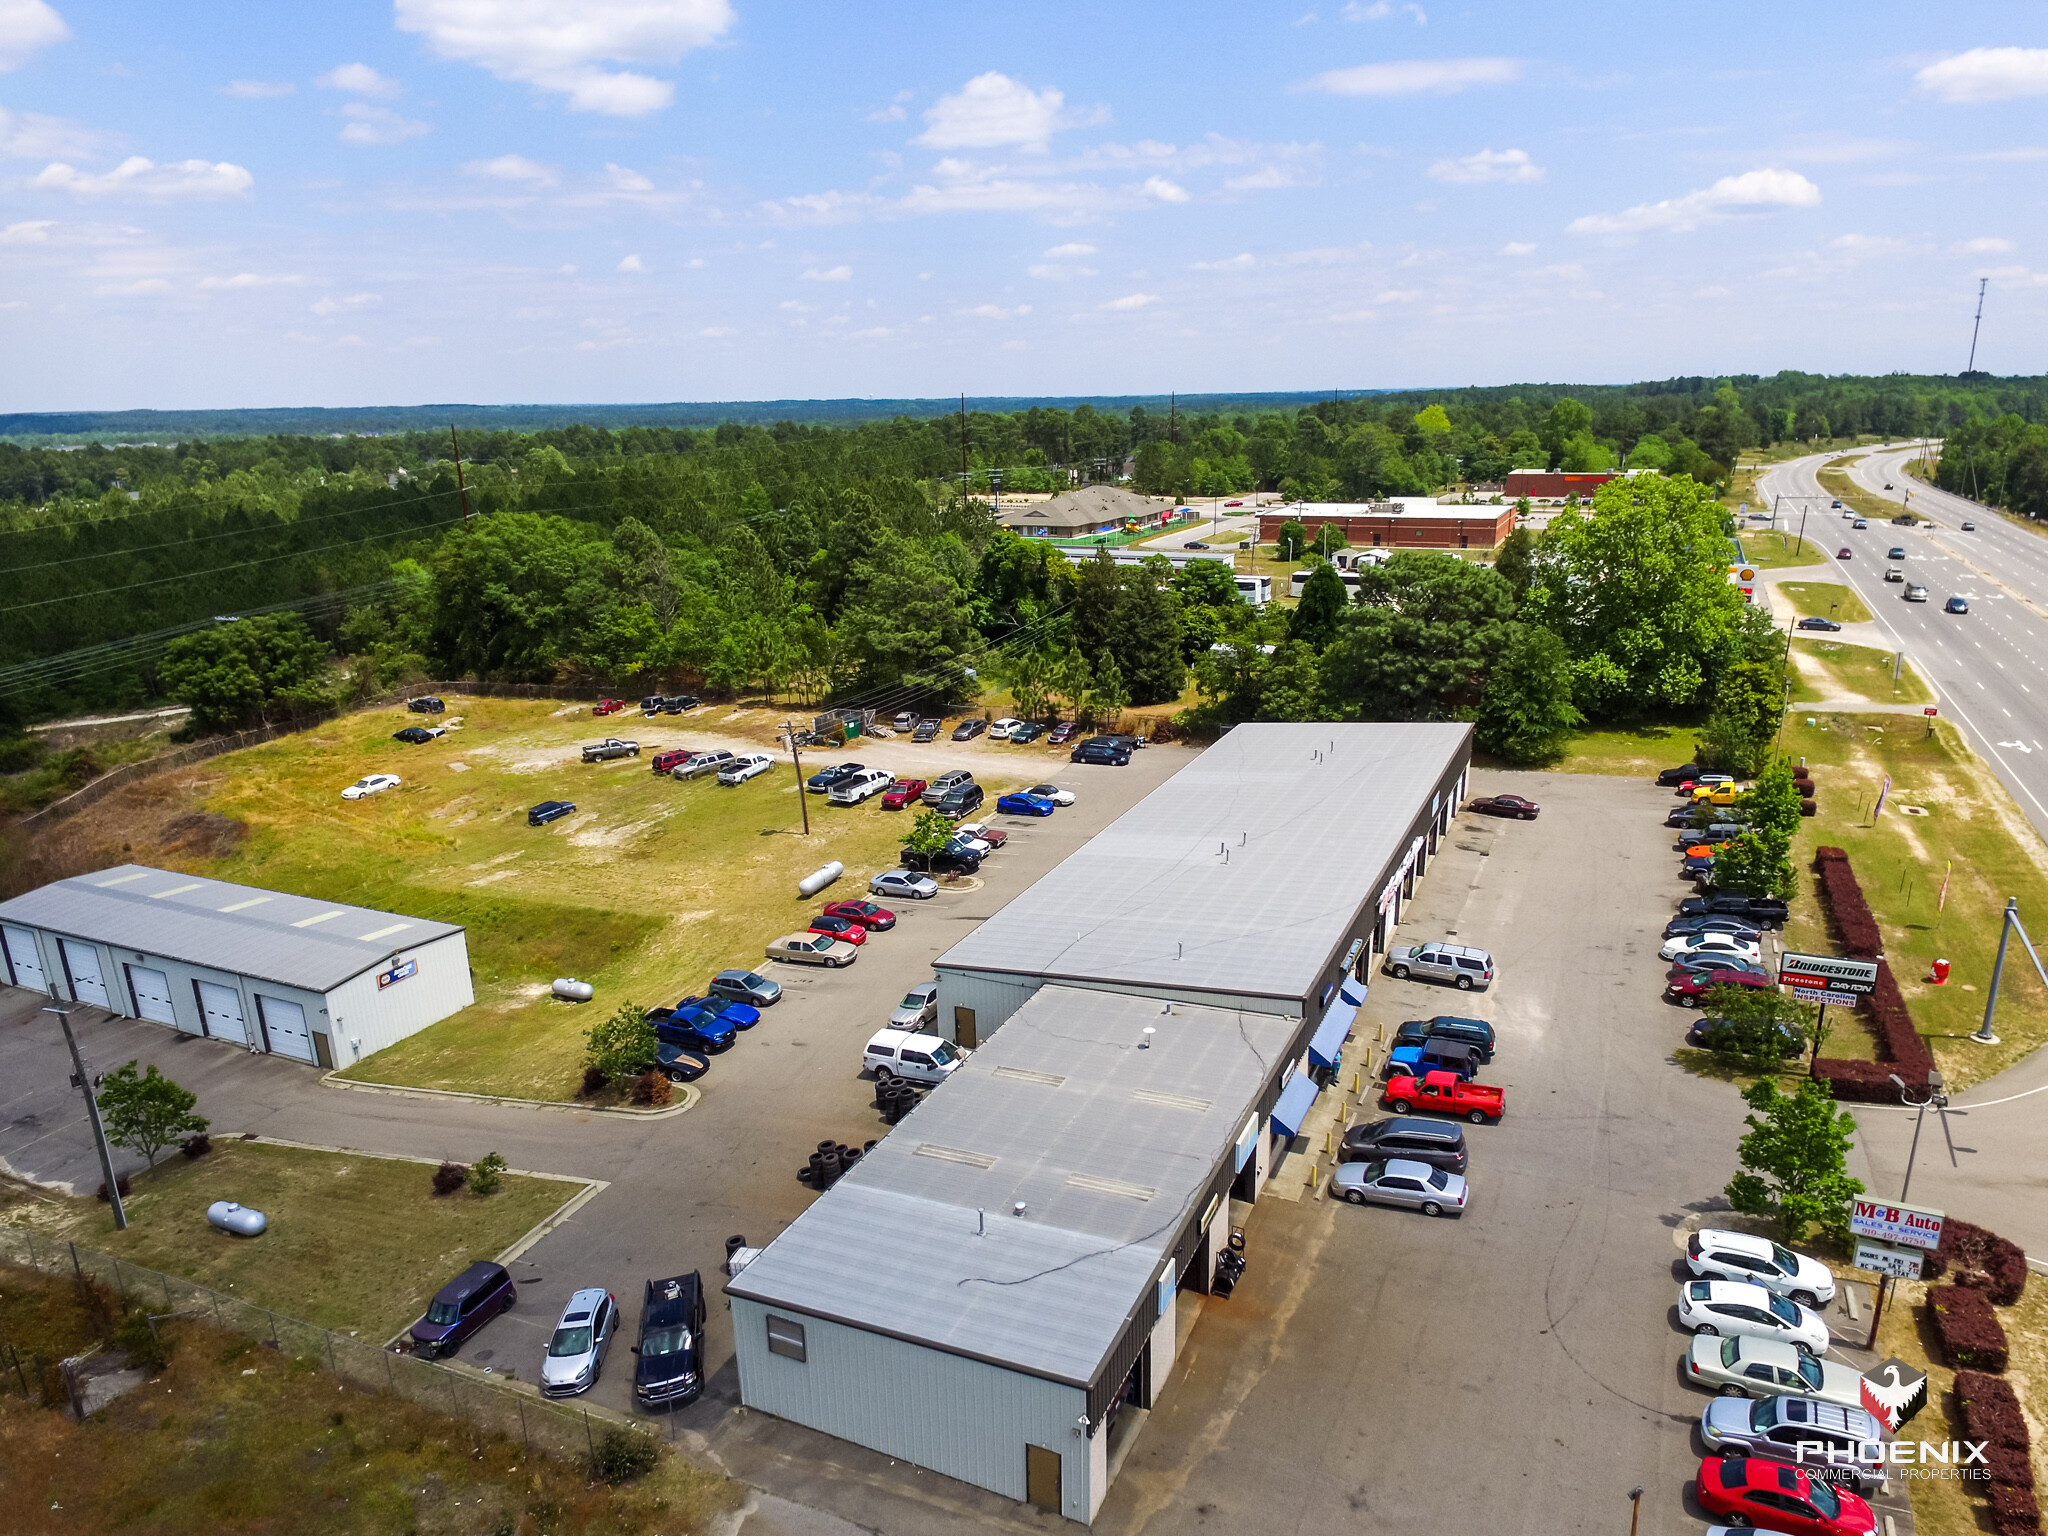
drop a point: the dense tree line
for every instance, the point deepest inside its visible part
(2003, 463)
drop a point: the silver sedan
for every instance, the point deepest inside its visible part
(1398, 1181)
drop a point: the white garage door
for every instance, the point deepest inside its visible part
(22, 955)
(285, 1023)
(152, 991)
(82, 965)
(222, 1009)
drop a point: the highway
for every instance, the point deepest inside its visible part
(1986, 666)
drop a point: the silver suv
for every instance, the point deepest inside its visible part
(953, 778)
(697, 764)
(1465, 968)
(1823, 1438)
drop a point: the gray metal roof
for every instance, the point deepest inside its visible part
(1106, 1144)
(1240, 874)
(296, 941)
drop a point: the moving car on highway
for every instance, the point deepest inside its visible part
(1955, 605)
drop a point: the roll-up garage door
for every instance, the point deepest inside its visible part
(152, 991)
(285, 1024)
(221, 1007)
(82, 965)
(24, 959)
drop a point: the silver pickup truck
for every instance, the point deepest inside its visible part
(605, 751)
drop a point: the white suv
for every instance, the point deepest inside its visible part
(1719, 1255)
(916, 1058)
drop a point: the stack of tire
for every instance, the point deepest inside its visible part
(829, 1162)
(896, 1098)
(1802, 780)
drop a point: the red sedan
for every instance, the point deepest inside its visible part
(840, 928)
(1506, 805)
(865, 913)
(901, 793)
(608, 706)
(1844, 553)
(1775, 1497)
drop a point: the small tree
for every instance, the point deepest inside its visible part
(1795, 1160)
(1323, 599)
(1329, 539)
(928, 834)
(1110, 693)
(1749, 705)
(486, 1174)
(1293, 540)
(1527, 716)
(621, 1045)
(1760, 1026)
(147, 1113)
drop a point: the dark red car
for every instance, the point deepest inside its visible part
(1686, 991)
(1506, 805)
(866, 913)
(674, 758)
(607, 706)
(1774, 1497)
(840, 928)
(901, 793)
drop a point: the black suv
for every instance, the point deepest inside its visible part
(676, 705)
(1102, 749)
(1476, 1033)
(949, 860)
(547, 811)
(425, 706)
(1679, 775)
(1435, 1142)
(461, 1307)
(1764, 911)
(671, 1364)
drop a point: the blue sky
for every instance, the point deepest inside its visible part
(385, 201)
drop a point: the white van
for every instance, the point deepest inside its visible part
(914, 1057)
(862, 786)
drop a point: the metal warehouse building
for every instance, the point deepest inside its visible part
(1257, 877)
(286, 974)
(991, 1291)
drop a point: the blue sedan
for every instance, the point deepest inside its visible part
(738, 1015)
(1021, 804)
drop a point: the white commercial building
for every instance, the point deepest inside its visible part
(291, 975)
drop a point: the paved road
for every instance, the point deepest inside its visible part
(1983, 665)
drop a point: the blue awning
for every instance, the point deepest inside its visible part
(1328, 1043)
(1293, 1107)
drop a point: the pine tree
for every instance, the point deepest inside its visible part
(1145, 636)
(1323, 598)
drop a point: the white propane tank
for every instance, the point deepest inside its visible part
(818, 879)
(238, 1219)
(570, 990)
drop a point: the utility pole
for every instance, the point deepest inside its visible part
(92, 1113)
(1977, 324)
(1984, 1036)
(964, 487)
(461, 488)
(789, 734)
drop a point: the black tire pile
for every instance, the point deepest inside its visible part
(896, 1098)
(832, 1159)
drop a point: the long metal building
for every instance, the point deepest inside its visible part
(291, 975)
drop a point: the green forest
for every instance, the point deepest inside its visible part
(840, 560)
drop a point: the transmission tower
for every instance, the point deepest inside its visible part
(1977, 324)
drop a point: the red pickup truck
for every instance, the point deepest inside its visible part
(1444, 1092)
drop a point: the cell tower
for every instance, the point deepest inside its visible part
(1977, 324)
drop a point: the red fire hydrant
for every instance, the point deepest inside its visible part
(1939, 975)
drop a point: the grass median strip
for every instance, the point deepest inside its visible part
(1771, 550)
(1825, 600)
(1828, 669)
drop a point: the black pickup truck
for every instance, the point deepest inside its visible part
(611, 747)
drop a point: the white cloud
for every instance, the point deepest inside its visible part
(997, 312)
(512, 168)
(138, 177)
(1983, 245)
(257, 90)
(1518, 248)
(1059, 271)
(623, 179)
(1416, 77)
(840, 274)
(632, 263)
(1237, 263)
(358, 80)
(1752, 192)
(1380, 10)
(1132, 301)
(1987, 74)
(992, 110)
(718, 330)
(695, 261)
(1069, 251)
(349, 301)
(37, 136)
(872, 333)
(27, 232)
(1489, 165)
(1868, 245)
(1397, 296)
(378, 125)
(892, 113)
(254, 280)
(1713, 292)
(134, 289)
(1164, 190)
(25, 26)
(2015, 276)
(557, 48)
(1272, 178)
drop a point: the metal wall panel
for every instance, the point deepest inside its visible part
(953, 1415)
(992, 997)
(380, 1016)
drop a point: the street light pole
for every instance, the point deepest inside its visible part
(92, 1113)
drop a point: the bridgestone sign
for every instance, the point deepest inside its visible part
(1827, 973)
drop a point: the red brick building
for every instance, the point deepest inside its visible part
(1555, 485)
(1395, 525)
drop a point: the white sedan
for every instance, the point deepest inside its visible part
(1740, 1310)
(373, 784)
(1688, 946)
(746, 767)
(1053, 793)
(1764, 1368)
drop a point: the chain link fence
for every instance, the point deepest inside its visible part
(493, 1406)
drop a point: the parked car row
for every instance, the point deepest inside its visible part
(1016, 732)
(1410, 1161)
(669, 1370)
(1716, 937)
(835, 935)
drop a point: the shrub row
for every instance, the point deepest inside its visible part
(1845, 904)
(1991, 1410)
(1981, 1259)
(1900, 1047)
(2013, 1510)
(1971, 1335)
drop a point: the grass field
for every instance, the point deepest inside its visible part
(1632, 751)
(1772, 550)
(358, 1244)
(1825, 599)
(1972, 833)
(230, 1436)
(1867, 503)
(649, 888)
(1828, 669)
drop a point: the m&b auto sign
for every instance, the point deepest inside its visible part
(1914, 1226)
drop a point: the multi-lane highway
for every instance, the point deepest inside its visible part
(1986, 666)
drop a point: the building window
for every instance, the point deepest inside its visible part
(786, 1338)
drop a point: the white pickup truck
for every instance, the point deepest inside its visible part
(609, 748)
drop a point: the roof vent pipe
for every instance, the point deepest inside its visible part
(980, 1222)
(1017, 1209)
